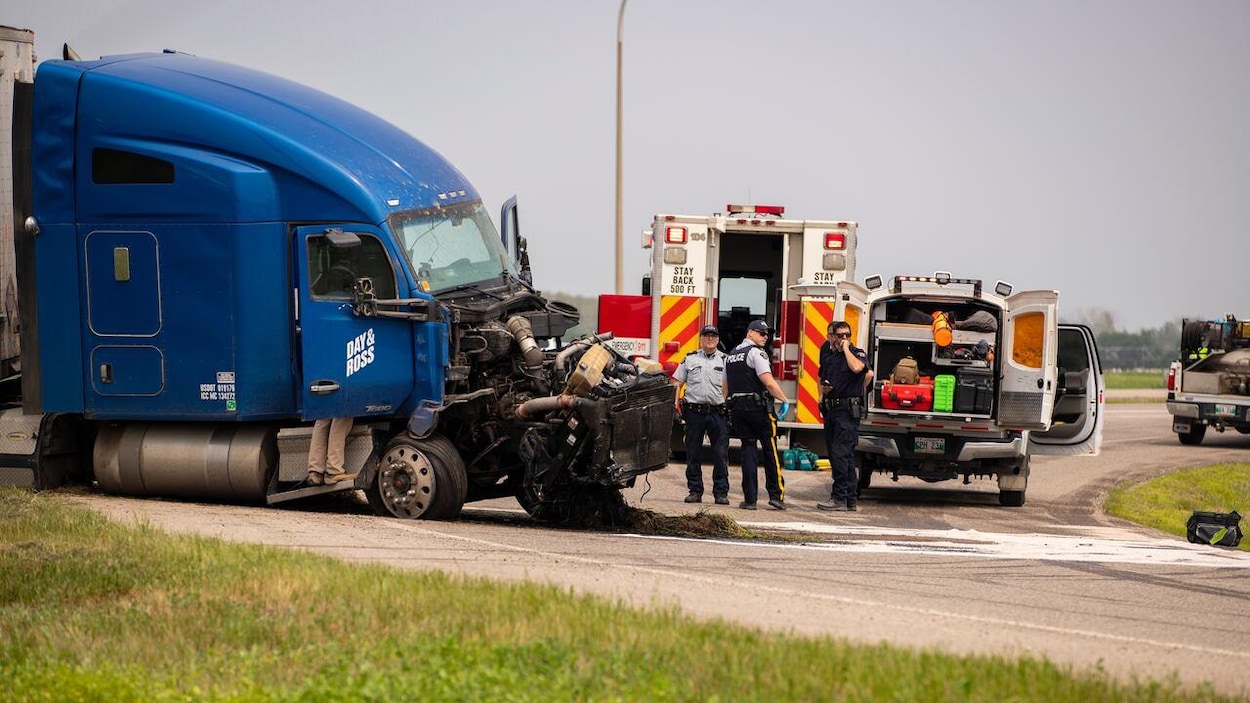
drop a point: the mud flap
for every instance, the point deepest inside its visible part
(1012, 482)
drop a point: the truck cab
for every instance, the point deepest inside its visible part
(996, 379)
(208, 258)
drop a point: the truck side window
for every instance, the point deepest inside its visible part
(114, 167)
(333, 270)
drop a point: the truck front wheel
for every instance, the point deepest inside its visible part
(419, 479)
(1194, 435)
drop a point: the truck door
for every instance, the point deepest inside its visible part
(1026, 393)
(350, 365)
(1077, 419)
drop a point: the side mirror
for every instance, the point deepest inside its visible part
(342, 240)
(513, 243)
(364, 298)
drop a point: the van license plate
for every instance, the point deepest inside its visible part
(1226, 410)
(930, 445)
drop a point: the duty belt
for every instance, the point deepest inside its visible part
(701, 408)
(748, 400)
(839, 402)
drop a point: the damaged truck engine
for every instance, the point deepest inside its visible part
(551, 426)
(207, 259)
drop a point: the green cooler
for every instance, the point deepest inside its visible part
(944, 393)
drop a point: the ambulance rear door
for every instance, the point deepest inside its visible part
(828, 252)
(682, 293)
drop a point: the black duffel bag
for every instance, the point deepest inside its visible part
(1219, 529)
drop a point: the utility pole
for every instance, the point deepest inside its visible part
(620, 217)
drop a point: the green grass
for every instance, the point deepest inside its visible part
(97, 610)
(1135, 379)
(1165, 503)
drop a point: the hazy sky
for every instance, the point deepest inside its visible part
(1097, 147)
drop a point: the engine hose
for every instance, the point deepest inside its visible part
(546, 404)
(563, 357)
(583, 345)
(530, 352)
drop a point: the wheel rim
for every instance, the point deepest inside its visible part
(406, 482)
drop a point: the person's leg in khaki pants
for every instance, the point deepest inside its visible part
(336, 445)
(326, 451)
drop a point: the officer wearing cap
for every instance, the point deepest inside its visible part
(751, 389)
(703, 409)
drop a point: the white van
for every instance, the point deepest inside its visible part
(998, 379)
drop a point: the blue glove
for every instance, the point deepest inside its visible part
(783, 411)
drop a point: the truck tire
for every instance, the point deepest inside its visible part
(1011, 499)
(865, 474)
(677, 444)
(1194, 435)
(419, 478)
(552, 511)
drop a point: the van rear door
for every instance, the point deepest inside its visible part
(1026, 394)
(1077, 418)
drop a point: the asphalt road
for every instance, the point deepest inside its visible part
(929, 566)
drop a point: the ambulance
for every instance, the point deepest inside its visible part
(726, 269)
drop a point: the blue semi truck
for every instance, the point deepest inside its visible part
(209, 258)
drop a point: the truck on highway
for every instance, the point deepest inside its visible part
(1209, 385)
(987, 379)
(201, 259)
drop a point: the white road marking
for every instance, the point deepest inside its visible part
(1085, 548)
(721, 581)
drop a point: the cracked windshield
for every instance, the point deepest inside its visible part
(451, 246)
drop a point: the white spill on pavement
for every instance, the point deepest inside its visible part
(971, 543)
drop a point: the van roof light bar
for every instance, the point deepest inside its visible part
(941, 278)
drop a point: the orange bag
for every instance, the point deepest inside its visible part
(941, 329)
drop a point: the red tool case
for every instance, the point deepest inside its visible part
(912, 396)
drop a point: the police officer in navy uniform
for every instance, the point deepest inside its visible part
(751, 389)
(844, 376)
(703, 409)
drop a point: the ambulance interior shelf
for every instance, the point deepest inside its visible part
(954, 379)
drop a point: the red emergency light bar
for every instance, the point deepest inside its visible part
(777, 210)
(835, 240)
(675, 235)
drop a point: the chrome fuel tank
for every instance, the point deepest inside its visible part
(188, 460)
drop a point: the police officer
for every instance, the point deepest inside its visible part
(703, 408)
(844, 376)
(751, 388)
